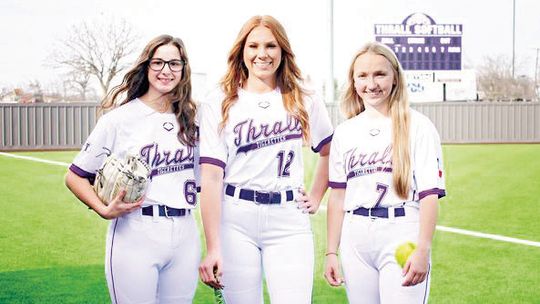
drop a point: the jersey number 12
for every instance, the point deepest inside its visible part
(284, 163)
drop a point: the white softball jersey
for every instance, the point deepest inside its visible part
(135, 128)
(260, 147)
(361, 162)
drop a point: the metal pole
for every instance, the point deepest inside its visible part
(536, 69)
(513, 36)
(329, 90)
(536, 75)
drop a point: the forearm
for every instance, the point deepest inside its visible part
(320, 179)
(335, 215)
(428, 221)
(211, 195)
(84, 191)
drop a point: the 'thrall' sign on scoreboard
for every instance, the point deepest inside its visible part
(421, 44)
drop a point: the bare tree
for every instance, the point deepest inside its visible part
(79, 82)
(97, 49)
(496, 82)
(494, 77)
(36, 91)
(5, 92)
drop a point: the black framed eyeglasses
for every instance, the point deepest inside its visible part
(157, 64)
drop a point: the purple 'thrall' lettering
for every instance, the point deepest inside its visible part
(248, 131)
(154, 157)
(355, 160)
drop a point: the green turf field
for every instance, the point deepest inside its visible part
(52, 247)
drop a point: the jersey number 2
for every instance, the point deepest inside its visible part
(284, 162)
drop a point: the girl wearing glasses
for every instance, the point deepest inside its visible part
(153, 246)
(386, 177)
(252, 133)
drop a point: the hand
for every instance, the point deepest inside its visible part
(416, 267)
(332, 274)
(305, 203)
(117, 207)
(210, 270)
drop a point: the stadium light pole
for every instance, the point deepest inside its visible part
(536, 66)
(536, 73)
(513, 36)
(330, 76)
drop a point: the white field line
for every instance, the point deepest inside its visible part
(51, 162)
(323, 208)
(489, 236)
(479, 234)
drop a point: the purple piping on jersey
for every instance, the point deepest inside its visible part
(337, 185)
(367, 171)
(318, 148)
(427, 284)
(213, 161)
(84, 174)
(440, 193)
(170, 169)
(268, 142)
(110, 261)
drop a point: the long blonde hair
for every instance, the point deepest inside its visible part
(398, 106)
(288, 76)
(135, 84)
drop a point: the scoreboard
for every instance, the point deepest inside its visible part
(421, 44)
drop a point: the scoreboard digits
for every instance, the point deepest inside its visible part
(420, 44)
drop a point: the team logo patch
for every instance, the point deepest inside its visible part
(374, 132)
(104, 151)
(168, 126)
(264, 104)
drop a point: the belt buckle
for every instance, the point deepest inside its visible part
(166, 211)
(372, 217)
(255, 196)
(268, 193)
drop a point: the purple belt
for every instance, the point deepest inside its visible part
(260, 197)
(378, 212)
(165, 211)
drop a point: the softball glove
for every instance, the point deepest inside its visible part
(129, 174)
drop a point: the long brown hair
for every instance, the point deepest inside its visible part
(398, 106)
(288, 76)
(135, 84)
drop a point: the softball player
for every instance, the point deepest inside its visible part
(386, 177)
(252, 170)
(153, 247)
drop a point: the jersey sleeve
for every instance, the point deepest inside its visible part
(321, 129)
(97, 147)
(428, 170)
(336, 166)
(213, 149)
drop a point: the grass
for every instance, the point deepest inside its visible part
(52, 246)
(493, 188)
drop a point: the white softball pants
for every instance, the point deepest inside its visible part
(367, 252)
(272, 239)
(152, 259)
